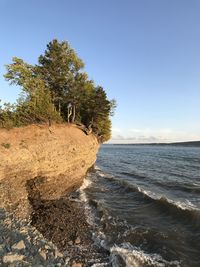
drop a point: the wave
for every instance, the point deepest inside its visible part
(94, 213)
(84, 199)
(184, 210)
(187, 205)
(193, 188)
(108, 230)
(184, 187)
(134, 175)
(130, 256)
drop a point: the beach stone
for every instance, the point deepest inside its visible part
(78, 240)
(16, 264)
(2, 246)
(20, 245)
(2, 250)
(70, 243)
(7, 221)
(47, 247)
(76, 265)
(10, 258)
(58, 254)
(43, 254)
(67, 260)
(1, 240)
(23, 230)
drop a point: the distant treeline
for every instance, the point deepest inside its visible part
(56, 90)
(188, 144)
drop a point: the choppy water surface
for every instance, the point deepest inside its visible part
(145, 203)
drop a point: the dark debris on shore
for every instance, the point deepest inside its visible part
(64, 223)
(57, 234)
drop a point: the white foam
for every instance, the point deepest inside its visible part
(184, 205)
(83, 197)
(187, 205)
(97, 168)
(149, 193)
(100, 264)
(134, 257)
(103, 174)
(86, 183)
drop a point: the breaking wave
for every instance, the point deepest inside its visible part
(129, 256)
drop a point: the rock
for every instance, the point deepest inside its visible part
(2, 250)
(10, 258)
(20, 245)
(43, 254)
(1, 240)
(77, 265)
(16, 264)
(7, 247)
(77, 240)
(7, 221)
(47, 247)
(70, 243)
(2, 247)
(58, 254)
(67, 260)
(23, 230)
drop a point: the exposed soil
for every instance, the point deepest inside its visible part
(61, 154)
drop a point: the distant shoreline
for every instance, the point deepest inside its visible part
(187, 144)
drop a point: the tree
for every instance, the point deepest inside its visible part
(57, 80)
(35, 104)
(59, 68)
(7, 117)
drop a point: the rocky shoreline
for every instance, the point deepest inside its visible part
(21, 244)
(56, 234)
(42, 220)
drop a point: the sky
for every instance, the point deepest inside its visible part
(145, 53)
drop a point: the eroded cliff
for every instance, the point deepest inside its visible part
(42, 162)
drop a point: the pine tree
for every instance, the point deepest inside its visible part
(55, 83)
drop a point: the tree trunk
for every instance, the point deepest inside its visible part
(74, 113)
(69, 113)
(59, 107)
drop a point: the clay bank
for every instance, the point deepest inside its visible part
(42, 220)
(42, 162)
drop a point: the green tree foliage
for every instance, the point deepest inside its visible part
(57, 80)
(59, 67)
(35, 104)
(7, 117)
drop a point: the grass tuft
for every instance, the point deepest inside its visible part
(6, 145)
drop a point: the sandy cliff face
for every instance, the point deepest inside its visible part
(43, 162)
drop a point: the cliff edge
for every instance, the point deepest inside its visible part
(41, 162)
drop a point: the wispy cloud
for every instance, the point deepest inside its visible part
(152, 136)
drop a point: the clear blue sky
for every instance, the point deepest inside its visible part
(145, 53)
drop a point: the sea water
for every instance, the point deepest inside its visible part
(144, 202)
